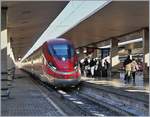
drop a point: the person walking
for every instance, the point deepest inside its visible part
(106, 67)
(95, 68)
(81, 67)
(85, 67)
(127, 66)
(134, 68)
(99, 69)
(92, 66)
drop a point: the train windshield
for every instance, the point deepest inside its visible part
(62, 51)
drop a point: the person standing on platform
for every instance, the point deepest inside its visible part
(85, 67)
(134, 68)
(99, 69)
(81, 67)
(92, 66)
(127, 66)
(106, 67)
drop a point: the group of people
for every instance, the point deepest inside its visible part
(130, 67)
(95, 68)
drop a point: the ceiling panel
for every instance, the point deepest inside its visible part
(27, 20)
(117, 18)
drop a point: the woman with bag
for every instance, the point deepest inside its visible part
(127, 66)
(134, 68)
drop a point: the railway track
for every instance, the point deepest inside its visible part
(87, 105)
(93, 105)
(79, 102)
(118, 100)
(71, 102)
(69, 108)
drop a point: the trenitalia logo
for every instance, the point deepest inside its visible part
(63, 59)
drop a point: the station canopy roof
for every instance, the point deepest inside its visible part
(28, 20)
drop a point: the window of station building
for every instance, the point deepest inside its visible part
(132, 47)
(104, 49)
(105, 52)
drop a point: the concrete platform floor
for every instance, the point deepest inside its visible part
(138, 86)
(26, 99)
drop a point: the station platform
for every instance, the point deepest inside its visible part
(139, 85)
(133, 98)
(26, 99)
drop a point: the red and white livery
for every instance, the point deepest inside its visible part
(54, 62)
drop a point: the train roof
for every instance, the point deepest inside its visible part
(51, 41)
(58, 40)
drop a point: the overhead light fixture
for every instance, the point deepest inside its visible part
(77, 51)
(130, 41)
(84, 50)
(107, 46)
(124, 43)
(19, 58)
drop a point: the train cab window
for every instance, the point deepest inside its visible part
(62, 50)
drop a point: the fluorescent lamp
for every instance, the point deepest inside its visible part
(131, 41)
(107, 46)
(124, 43)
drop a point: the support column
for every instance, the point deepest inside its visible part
(10, 63)
(146, 53)
(95, 51)
(81, 54)
(4, 73)
(114, 58)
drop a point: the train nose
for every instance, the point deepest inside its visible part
(65, 66)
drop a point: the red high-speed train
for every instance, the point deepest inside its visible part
(55, 62)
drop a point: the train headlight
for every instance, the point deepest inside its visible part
(51, 66)
(54, 67)
(76, 66)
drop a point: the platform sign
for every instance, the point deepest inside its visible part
(105, 52)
